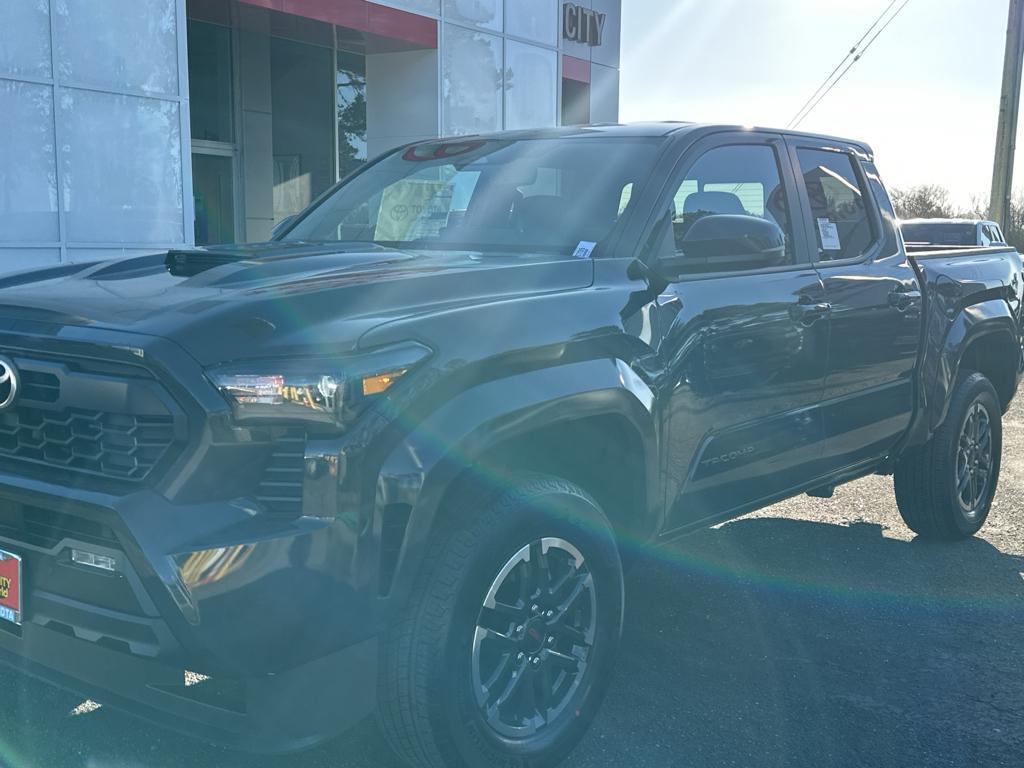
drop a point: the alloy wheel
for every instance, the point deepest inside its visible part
(974, 460)
(534, 638)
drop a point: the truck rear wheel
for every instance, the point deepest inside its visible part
(506, 647)
(944, 489)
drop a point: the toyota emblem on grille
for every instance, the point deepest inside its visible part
(9, 381)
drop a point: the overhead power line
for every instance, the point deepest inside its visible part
(839, 66)
(855, 54)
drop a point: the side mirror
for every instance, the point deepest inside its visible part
(282, 225)
(723, 243)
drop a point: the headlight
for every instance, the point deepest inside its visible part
(327, 391)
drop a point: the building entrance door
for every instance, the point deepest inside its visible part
(213, 190)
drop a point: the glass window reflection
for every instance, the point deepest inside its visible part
(121, 161)
(209, 81)
(113, 44)
(28, 192)
(351, 104)
(531, 78)
(472, 83)
(534, 20)
(479, 13)
(27, 53)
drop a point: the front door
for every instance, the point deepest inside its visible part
(745, 350)
(876, 306)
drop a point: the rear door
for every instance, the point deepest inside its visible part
(743, 348)
(875, 299)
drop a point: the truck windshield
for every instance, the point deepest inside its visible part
(540, 195)
(940, 233)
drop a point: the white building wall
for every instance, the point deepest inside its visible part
(93, 95)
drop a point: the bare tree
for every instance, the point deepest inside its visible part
(926, 201)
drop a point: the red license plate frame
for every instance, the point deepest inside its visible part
(11, 588)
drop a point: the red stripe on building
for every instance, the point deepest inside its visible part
(575, 69)
(362, 16)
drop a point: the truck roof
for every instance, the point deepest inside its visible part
(660, 130)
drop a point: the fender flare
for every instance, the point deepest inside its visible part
(973, 322)
(422, 467)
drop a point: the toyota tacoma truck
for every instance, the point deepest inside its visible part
(392, 460)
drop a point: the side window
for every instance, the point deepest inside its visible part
(841, 221)
(986, 235)
(729, 212)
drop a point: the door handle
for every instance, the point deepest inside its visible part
(809, 312)
(903, 299)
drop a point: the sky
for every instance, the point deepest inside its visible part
(925, 96)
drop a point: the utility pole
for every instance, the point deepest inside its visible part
(1009, 108)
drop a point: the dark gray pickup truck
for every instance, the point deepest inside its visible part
(391, 460)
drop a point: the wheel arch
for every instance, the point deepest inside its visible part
(983, 337)
(589, 422)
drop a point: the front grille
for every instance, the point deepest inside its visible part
(112, 445)
(280, 489)
(39, 386)
(89, 422)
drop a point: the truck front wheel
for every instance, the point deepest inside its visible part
(506, 647)
(944, 489)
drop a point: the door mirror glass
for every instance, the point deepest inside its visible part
(725, 243)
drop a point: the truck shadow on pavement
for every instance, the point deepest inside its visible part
(766, 642)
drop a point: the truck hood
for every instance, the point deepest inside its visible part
(273, 299)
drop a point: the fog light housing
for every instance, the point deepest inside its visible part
(94, 560)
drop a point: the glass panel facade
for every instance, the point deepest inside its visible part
(431, 7)
(213, 190)
(472, 81)
(210, 82)
(121, 163)
(16, 259)
(604, 97)
(25, 52)
(533, 19)
(118, 45)
(531, 78)
(303, 115)
(28, 174)
(351, 103)
(487, 14)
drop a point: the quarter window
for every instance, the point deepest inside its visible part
(841, 221)
(732, 181)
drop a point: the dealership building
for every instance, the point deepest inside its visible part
(132, 126)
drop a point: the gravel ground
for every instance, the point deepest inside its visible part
(815, 633)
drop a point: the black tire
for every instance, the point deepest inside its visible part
(927, 479)
(428, 707)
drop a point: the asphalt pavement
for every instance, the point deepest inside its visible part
(815, 633)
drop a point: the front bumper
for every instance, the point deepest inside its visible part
(220, 622)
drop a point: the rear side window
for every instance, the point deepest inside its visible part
(992, 234)
(841, 221)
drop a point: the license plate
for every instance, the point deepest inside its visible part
(10, 587)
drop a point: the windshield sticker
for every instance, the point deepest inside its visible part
(412, 209)
(829, 233)
(584, 250)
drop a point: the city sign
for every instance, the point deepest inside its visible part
(583, 25)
